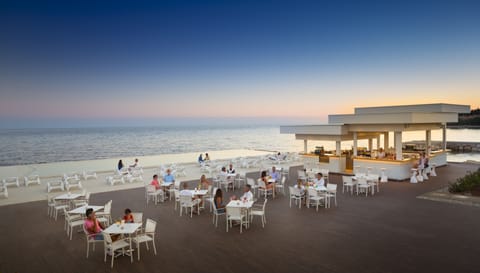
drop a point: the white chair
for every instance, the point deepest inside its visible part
(314, 198)
(147, 236)
(331, 193)
(11, 181)
(297, 195)
(302, 175)
(187, 202)
(420, 175)
(32, 179)
(432, 170)
(373, 180)
(348, 183)
(281, 185)
(260, 211)
(362, 184)
(240, 180)
(71, 222)
(82, 201)
(413, 178)
(134, 176)
(50, 206)
(216, 213)
(156, 195)
(176, 186)
(4, 191)
(176, 195)
(115, 179)
(72, 182)
(235, 214)
(91, 239)
(55, 185)
(137, 217)
(383, 177)
(424, 174)
(58, 207)
(227, 182)
(111, 246)
(89, 174)
(252, 184)
(105, 216)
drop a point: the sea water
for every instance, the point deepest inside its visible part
(29, 146)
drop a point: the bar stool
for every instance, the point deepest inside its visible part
(413, 179)
(432, 171)
(383, 177)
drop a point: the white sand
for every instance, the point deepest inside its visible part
(105, 167)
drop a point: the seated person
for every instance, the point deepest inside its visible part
(218, 201)
(155, 182)
(230, 170)
(300, 186)
(204, 183)
(319, 181)
(274, 174)
(247, 194)
(381, 153)
(207, 157)
(135, 164)
(168, 177)
(200, 159)
(264, 178)
(92, 225)
(120, 165)
(128, 217)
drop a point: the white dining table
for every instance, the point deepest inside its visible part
(198, 192)
(68, 196)
(124, 229)
(247, 205)
(83, 209)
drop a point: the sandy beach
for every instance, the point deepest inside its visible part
(105, 167)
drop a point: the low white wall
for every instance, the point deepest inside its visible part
(396, 170)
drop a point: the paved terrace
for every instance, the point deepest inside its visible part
(391, 232)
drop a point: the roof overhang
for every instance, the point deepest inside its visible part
(394, 118)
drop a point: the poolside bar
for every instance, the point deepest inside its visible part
(370, 123)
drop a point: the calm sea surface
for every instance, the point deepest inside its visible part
(27, 146)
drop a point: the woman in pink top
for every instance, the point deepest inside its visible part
(155, 182)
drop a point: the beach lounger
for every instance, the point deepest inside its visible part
(115, 179)
(89, 174)
(55, 185)
(11, 181)
(3, 191)
(32, 179)
(72, 182)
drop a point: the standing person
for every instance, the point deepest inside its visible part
(381, 153)
(168, 177)
(207, 157)
(230, 169)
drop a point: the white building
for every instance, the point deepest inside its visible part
(371, 122)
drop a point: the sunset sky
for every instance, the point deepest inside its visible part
(111, 62)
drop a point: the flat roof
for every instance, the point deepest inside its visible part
(415, 108)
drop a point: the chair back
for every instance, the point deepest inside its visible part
(294, 191)
(137, 217)
(261, 183)
(108, 207)
(362, 180)
(312, 192)
(250, 181)
(264, 204)
(176, 184)
(346, 179)
(301, 173)
(186, 200)
(282, 182)
(107, 238)
(331, 187)
(234, 212)
(150, 188)
(150, 226)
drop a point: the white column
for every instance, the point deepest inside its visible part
(378, 142)
(305, 147)
(428, 141)
(444, 137)
(355, 143)
(385, 141)
(338, 150)
(370, 144)
(398, 145)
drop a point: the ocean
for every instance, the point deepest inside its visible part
(31, 146)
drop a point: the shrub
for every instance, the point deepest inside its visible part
(465, 184)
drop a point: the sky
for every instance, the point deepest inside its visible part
(100, 63)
